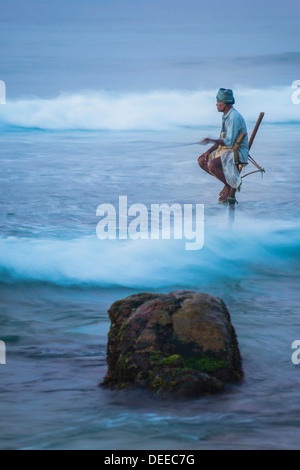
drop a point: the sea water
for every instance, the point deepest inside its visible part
(67, 149)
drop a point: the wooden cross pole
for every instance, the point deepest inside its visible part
(231, 199)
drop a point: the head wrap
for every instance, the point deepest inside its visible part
(226, 96)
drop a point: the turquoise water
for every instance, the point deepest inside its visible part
(99, 96)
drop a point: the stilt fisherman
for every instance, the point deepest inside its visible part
(229, 153)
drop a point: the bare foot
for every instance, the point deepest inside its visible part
(224, 196)
(221, 192)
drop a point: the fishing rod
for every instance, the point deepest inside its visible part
(251, 160)
(251, 140)
(175, 146)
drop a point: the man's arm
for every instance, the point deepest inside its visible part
(211, 149)
(217, 142)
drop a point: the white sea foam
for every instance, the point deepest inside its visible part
(268, 248)
(155, 110)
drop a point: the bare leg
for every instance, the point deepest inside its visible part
(215, 168)
(203, 163)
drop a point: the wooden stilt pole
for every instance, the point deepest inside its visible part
(231, 199)
(254, 132)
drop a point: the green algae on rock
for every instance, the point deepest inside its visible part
(180, 344)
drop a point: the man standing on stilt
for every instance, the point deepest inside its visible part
(220, 160)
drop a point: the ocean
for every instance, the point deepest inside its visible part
(101, 100)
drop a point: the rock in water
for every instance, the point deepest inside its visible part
(181, 344)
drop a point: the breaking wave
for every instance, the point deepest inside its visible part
(252, 249)
(155, 110)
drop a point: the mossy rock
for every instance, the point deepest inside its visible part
(180, 344)
(180, 383)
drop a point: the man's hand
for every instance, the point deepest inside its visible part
(206, 141)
